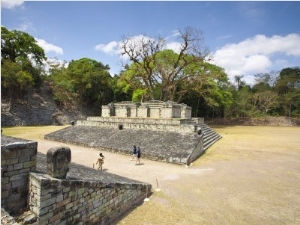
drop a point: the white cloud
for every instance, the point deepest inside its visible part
(49, 47)
(175, 46)
(9, 4)
(54, 62)
(256, 63)
(114, 47)
(255, 55)
(110, 48)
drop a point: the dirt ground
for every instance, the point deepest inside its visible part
(250, 176)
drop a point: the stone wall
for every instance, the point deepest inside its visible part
(86, 196)
(18, 159)
(255, 121)
(64, 201)
(152, 109)
(166, 125)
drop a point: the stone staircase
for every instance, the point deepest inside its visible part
(210, 136)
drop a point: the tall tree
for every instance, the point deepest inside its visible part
(14, 80)
(239, 82)
(159, 71)
(21, 62)
(86, 81)
(17, 44)
(288, 88)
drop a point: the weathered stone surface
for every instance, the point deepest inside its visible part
(85, 196)
(38, 108)
(58, 160)
(153, 109)
(16, 155)
(161, 146)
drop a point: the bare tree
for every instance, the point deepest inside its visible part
(265, 101)
(161, 70)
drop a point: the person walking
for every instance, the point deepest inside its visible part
(100, 161)
(138, 156)
(134, 150)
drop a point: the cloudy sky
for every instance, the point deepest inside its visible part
(245, 38)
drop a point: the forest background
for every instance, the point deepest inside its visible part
(151, 72)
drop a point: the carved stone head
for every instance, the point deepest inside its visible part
(58, 160)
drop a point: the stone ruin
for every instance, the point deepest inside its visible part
(58, 160)
(52, 190)
(164, 130)
(151, 109)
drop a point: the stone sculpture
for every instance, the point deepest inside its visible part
(58, 160)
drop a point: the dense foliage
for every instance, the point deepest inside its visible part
(153, 72)
(83, 83)
(21, 62)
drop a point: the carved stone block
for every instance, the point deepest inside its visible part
(58, 160)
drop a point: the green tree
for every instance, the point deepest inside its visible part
(121, 90)
(21, 62)
(288, 89)
(239, 82)
(14, 80)
(85, 82)
(210, 91)
(241, 105)
(62, 86)
(17, 44)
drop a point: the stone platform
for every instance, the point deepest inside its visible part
(172, 147)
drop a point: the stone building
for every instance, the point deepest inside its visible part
(150, 109)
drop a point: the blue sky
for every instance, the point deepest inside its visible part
(244, 38)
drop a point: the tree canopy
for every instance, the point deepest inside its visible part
(160, 71)
(86, 81)
(17, 44)
(21, 62)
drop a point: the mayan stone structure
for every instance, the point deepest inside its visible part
(151, 109)
(153, 115)
(165, 131)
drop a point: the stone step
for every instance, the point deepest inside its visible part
(210, 136)
(209, 143)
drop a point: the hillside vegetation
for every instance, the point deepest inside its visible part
(39, 91)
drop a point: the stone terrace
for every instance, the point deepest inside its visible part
(155, 145)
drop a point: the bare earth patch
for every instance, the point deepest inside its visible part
(250, 176)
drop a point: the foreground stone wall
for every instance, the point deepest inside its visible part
(64, 201)
(18, 159)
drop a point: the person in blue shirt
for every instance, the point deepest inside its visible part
(134, 152)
